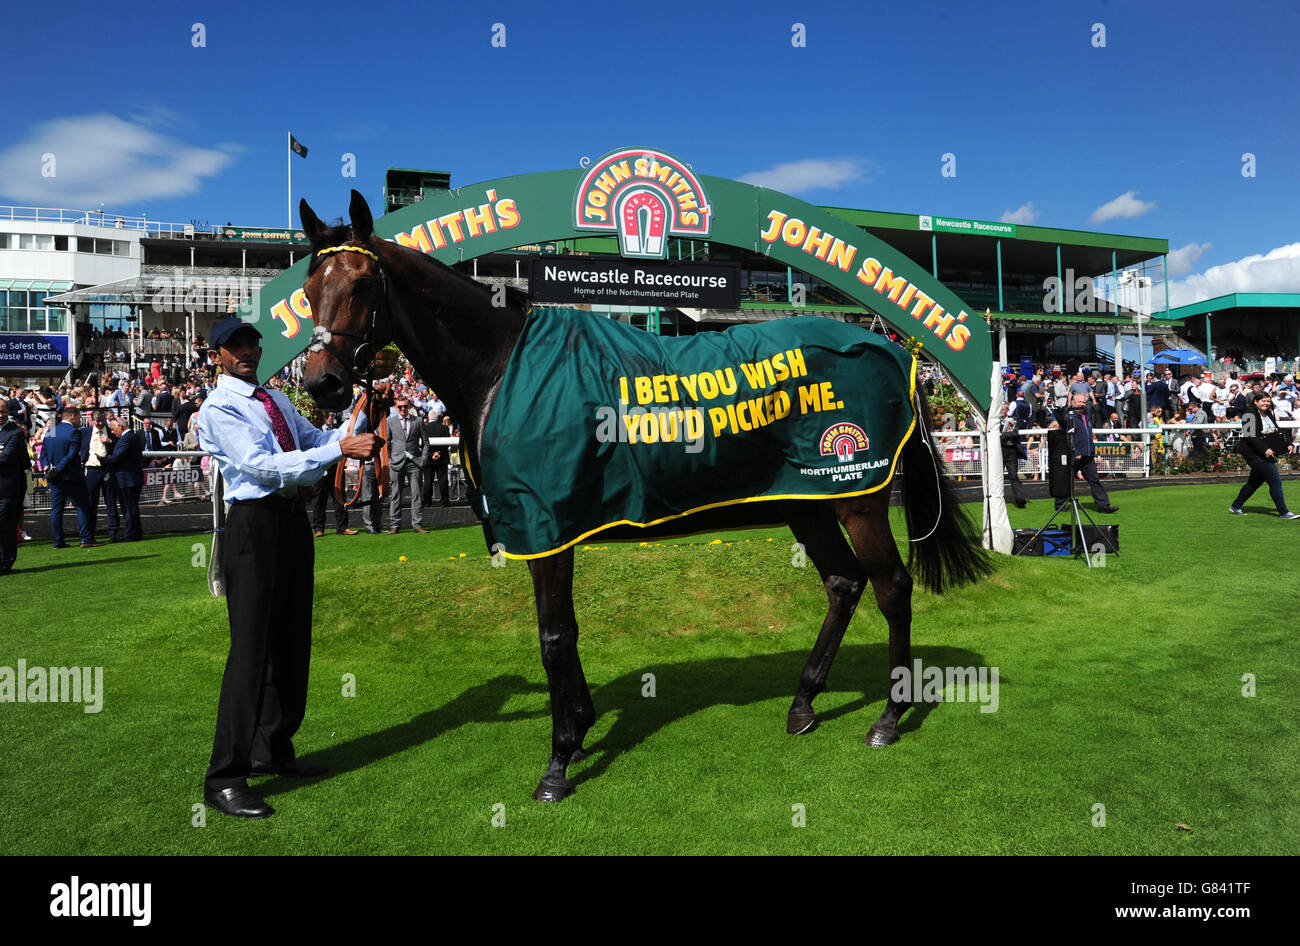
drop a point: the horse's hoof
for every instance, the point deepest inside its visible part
(553, 791)
(796, 724)
(876, 737)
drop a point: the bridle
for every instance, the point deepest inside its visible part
(363, 355)
(363, 360)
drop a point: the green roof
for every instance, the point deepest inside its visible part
(1239, 300)
(897, 221)
(1098, 318)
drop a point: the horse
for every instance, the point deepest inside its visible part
(365, 293)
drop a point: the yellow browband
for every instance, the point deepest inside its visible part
(348, 249)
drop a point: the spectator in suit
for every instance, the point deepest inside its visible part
(169, 435)
(61, 451)
(435, 459)
(128, 475)
(95, 448)
(144, 402)
(121, 398)
(163, 403)
(405, 442)
(14, 463)
(19, 412)
(185, 410)
(150, 439)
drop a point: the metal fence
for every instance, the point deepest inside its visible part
(1128, 451)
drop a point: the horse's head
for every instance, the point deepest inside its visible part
(346, 290)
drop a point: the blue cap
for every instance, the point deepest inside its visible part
(226, 327)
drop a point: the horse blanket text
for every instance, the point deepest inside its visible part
(598, 425)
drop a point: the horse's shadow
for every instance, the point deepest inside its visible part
(680, 690)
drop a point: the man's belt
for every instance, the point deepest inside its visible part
(282, 504)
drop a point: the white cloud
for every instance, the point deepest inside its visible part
(1184, 258)
(1278, 270)
(103, 159)
(1126, 205)
(810, 174)
(1025, 214)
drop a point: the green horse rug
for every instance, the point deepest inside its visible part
(600, 430)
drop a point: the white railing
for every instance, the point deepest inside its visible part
(102, 218)
(962, 450)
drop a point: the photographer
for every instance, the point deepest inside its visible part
(1013, 451)
(1085, 462)
(1260, 443)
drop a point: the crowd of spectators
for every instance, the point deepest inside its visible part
(1115, 404)
(163, 415)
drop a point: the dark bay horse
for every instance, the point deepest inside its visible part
(366, 292)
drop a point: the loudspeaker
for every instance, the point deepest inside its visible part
(1060, 464)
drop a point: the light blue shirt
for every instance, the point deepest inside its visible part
(235, 428)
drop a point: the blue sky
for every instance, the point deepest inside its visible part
(1142, 136)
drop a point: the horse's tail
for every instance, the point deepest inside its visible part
(945, 549)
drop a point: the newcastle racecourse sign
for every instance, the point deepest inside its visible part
(643, 197)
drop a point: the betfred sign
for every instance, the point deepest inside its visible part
(625, 282)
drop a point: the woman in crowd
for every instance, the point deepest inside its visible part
(1260, 444)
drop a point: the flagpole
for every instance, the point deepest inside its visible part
(289, 155)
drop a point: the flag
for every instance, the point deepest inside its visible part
(296, 146)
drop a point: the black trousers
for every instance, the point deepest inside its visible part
(129, 496)
(11, 513)
(1011, 463)
(1088, 467)
(98, 479)
(1262, 472)
(439, 471)
(267, 566)
(324, 494)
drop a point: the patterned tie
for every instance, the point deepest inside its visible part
(283, 437)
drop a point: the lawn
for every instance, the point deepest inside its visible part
(1121, 686)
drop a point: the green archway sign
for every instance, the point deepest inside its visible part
(645, 197)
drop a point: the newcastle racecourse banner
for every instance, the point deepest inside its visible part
(598, 425)
(644, 198)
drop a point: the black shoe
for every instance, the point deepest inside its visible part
(1021, 504)
(116, 539)
(64, 546)
(298, 768)
(90, 545)
(240, 802)
(1108, 509)
(373, 531)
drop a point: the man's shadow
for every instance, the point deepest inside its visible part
(681, 689)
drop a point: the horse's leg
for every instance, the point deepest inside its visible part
(815, 527)
(572, 712)
(867, 522)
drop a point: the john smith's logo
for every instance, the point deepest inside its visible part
(645, 196)
(844, 441)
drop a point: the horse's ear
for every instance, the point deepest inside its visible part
(311, 225)
(363, 224)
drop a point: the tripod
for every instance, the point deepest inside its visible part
(1060, 486)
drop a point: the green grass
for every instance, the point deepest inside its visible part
(1120, 686)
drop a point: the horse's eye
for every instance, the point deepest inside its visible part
(362, 286)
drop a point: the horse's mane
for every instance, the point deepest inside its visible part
(514, 296)
(341, 233)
